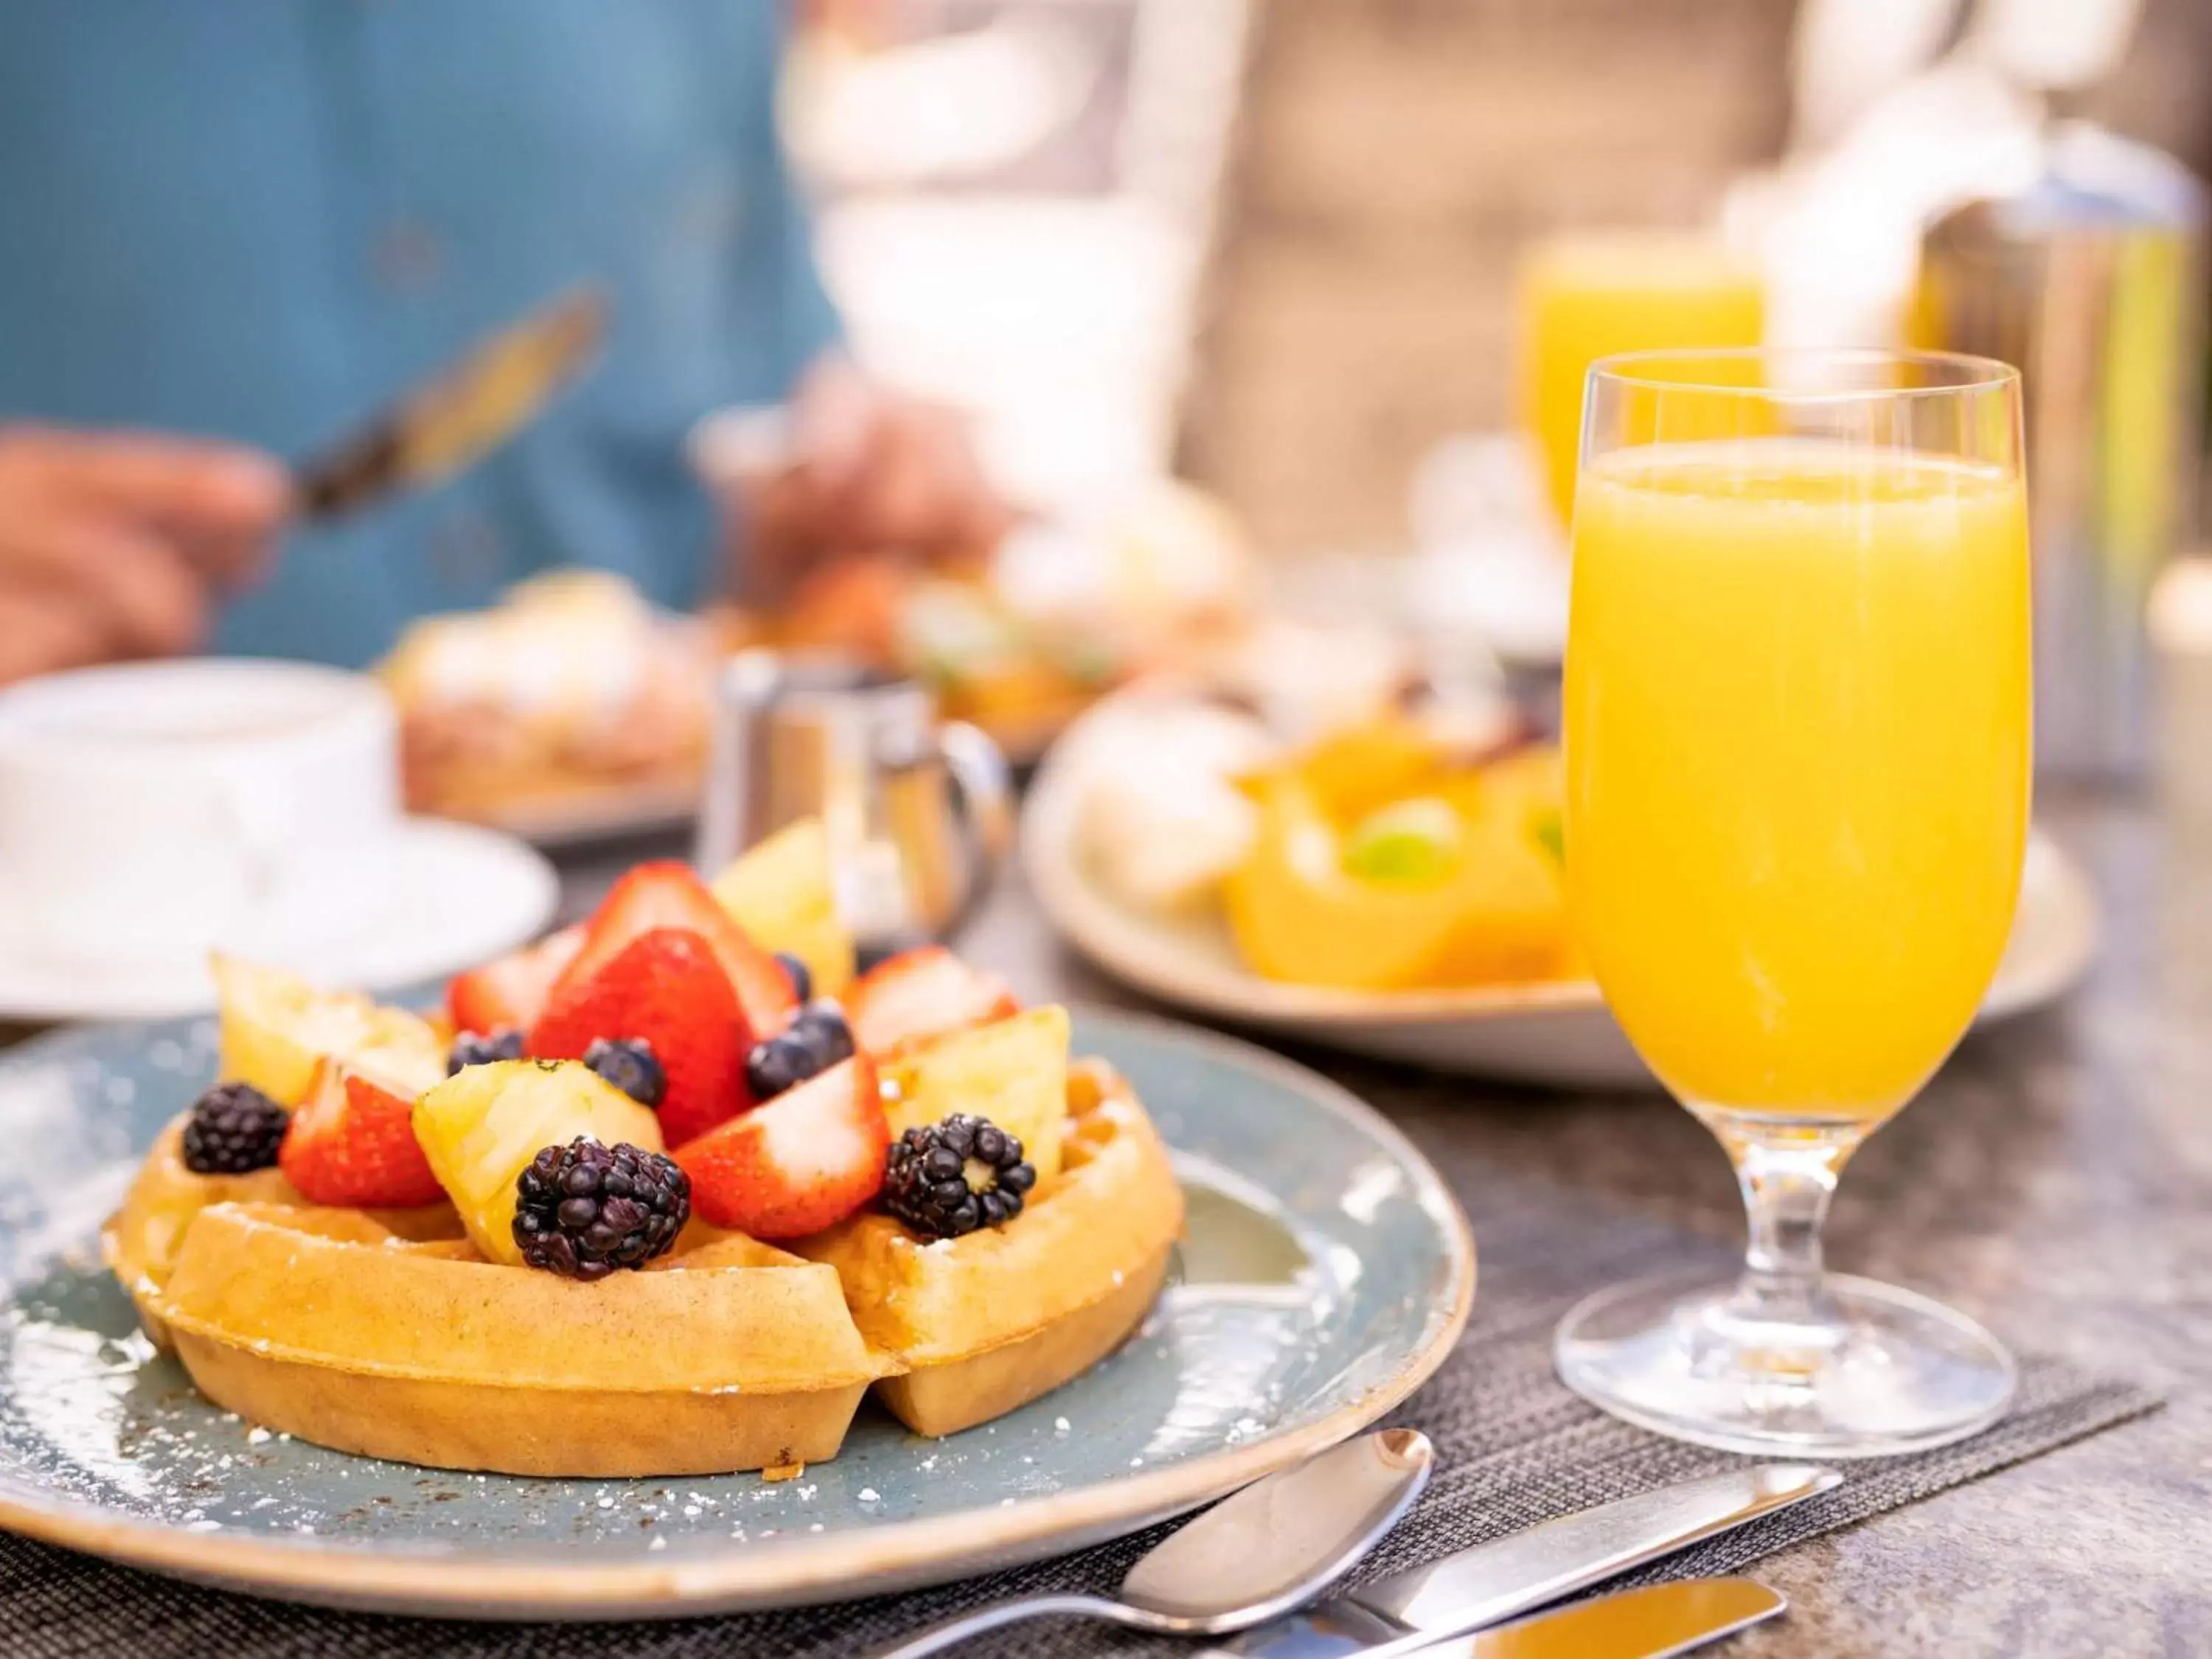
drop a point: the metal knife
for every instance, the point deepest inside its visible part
(1488, 1583)
(471, 406)
(1655, 1622)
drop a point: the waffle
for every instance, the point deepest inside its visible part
(386, 1333)
(988, 1322)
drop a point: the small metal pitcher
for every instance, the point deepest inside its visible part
(918, 811)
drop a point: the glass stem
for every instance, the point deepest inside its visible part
(1787, 1173)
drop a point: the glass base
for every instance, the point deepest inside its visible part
(1875, 1370)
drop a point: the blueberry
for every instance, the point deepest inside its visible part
(802, 979)
(823, 1022)
(631, 1066)
(483, 1048)
(817, 1039)
(778, 1064)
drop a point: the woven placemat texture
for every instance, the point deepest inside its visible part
(1515, 1447)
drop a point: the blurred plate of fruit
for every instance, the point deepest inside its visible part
(1020, 638)
(1389, 884)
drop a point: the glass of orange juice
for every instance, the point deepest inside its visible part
(1587, 295)
(1797, 751)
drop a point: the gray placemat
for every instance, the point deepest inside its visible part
(1514, 1448)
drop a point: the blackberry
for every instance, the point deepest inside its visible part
(234, 1129)
(949, 1178)
(483, 1048)
(817, 1039)
(631, 1066)
(584, 1209)
(800, 975)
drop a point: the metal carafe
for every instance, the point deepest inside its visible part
(2089, 275)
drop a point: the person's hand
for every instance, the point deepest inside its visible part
(116, 546)
(870, 473)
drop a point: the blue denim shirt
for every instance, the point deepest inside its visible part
(261, 218)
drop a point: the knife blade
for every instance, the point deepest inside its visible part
(1655, 1622)
(470, 407)
(1488, 1583)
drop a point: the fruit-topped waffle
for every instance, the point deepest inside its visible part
(667, 1192)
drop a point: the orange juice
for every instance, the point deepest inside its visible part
(1797, 720)
(1587, 296)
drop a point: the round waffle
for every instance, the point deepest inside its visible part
(386, 1333)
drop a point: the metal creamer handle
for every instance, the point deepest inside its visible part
(978, 768)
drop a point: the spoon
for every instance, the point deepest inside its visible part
(1257, 1554)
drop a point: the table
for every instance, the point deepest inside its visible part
(2056, 1181)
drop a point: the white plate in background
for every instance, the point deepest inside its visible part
(1557, 1033)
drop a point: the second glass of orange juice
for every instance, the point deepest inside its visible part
(1797, 747)
(1588, 295)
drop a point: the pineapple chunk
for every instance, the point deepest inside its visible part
(277, 1028)
(481, 1127)
(784, 894)
(1013, 1070)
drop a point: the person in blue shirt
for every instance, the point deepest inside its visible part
(229, 233)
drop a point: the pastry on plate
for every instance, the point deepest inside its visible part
(573, 685)
(648, 1203)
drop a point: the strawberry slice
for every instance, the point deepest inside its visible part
(351, 1142)
(511, 990)
(806, 1161)
(920, 994)
(667, 986)
(667, 894)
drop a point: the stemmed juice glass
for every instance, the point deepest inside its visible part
(1797, 748)
(1587, 295)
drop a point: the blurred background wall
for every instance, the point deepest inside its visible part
(1394, 158)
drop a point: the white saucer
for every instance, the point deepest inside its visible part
(461, 895)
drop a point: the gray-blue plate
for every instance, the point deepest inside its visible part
(1326, 1273)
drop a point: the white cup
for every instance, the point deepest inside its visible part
(152, 812)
